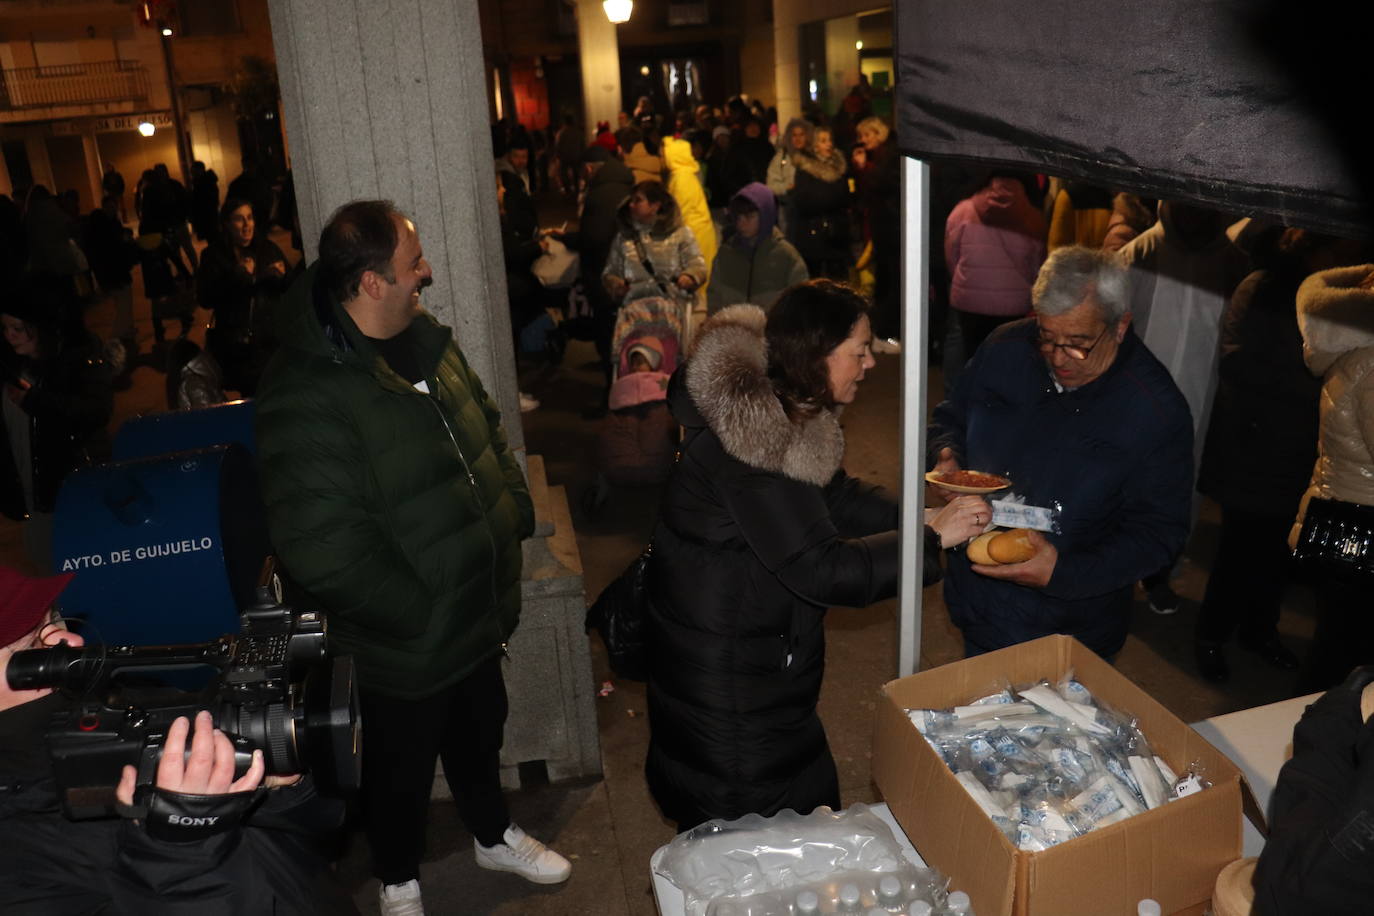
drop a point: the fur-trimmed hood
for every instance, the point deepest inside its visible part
(831, 168)
(729, 391)
(1335, 315)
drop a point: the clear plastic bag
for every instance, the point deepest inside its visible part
(757, 866)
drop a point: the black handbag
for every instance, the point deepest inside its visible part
(1337, 539)
(620, 614)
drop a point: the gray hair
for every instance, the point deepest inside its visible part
(1073, 275)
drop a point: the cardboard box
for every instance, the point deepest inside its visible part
(1172, 854)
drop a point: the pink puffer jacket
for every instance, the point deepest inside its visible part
(994, 245)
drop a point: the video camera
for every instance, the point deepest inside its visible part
(272, 687)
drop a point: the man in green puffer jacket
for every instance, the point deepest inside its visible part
(396, 505)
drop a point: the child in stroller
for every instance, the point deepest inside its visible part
(637, 444)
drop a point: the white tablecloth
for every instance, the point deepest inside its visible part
(1259, 741)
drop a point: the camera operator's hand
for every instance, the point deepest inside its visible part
(208, 771)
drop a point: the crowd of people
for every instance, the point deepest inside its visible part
(191, 249)
(761, 209)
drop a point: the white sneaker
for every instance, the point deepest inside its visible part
(401, 899)
(528, 402)
(887, 345)
(524, 855)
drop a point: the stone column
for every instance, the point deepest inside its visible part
(786, 62)
(94, 170)
(40, 165)
(388, 100)
(599, 52)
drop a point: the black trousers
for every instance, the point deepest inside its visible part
(1248, 578)
(1344, 637)
(463, 725)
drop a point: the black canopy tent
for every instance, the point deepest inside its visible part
(1252, 107)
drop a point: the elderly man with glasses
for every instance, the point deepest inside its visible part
(1097, 442)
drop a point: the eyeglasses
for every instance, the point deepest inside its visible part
(1072, 351)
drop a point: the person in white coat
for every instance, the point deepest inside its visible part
(1336, 317)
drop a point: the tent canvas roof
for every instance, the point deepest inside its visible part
(1238, 104)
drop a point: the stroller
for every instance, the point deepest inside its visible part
(637, 444)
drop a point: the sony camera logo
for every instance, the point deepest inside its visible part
(177, 819)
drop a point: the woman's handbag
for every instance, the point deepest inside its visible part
(620, 614)
(1337, 539)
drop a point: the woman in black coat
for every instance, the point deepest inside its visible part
(821, 200)
(760, 531)
(242, 273)
(878, 165)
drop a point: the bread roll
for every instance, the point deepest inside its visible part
(1012, 546)
(978, 549)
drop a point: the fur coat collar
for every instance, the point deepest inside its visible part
(831, 168)
(728, 383)
(1335, 315)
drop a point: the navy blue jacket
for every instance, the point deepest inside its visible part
(1114, 458)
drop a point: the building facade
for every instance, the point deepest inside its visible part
(85, 84)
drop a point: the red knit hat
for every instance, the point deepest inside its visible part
(24, 600)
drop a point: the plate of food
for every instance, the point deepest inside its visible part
(968, 481)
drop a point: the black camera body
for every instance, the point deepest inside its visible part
(271, 687)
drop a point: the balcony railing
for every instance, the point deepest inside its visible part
(73, 84)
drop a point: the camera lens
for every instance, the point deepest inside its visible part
(59, 666)
(332, 726)
(316, 729)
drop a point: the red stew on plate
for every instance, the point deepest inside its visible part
(972, 479)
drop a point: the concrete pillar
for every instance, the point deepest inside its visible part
(387, 100)
(94, 170)
(40, 165)
(599, 52)
(786, 60)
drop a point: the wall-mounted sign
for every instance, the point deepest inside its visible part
(111, 123)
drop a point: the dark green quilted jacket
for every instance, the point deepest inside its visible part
(399, 513)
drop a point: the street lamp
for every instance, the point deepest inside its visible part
(618, 11)
(146, 128)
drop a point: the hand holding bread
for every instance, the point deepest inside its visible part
(998, 547)
(1022, 556)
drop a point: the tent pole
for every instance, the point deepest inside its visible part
(915, 296)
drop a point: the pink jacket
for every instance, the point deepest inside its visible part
(994, 245)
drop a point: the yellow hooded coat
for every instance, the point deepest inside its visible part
(684, 183)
